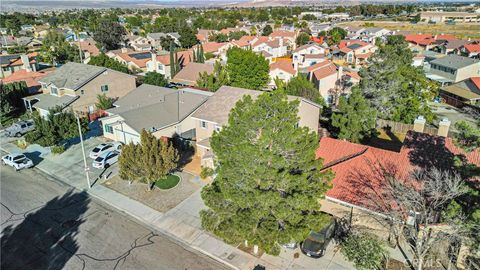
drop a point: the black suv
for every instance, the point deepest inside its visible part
(317, 242)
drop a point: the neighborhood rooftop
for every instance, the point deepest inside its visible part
(72, 75)
(454, 61)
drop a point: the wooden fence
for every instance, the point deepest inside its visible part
(397, 127)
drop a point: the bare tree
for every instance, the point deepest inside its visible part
(412, 209)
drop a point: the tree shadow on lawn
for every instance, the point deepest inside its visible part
(46, 237)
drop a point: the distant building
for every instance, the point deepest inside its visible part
(443, 17)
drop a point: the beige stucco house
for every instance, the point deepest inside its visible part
(77, 86)
(165, 112)
(453, 68)
(213, 114)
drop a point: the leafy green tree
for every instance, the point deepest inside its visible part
(396, 89)
(467, 137)
(322, 33)
(302, 39)
(236, 35)
(336, 34)
(213, 81)
(166, 41)
(355, 119)
(365, 251)
(187, 37)
(104, 102)
(247, 69)
(268, 180)
(11, 99)
(302, 87)
(218, 37)
(17, 49)
(109, 35)
(151, 160)
(155, 78)
(267, 30)
(57, 127)
(104, 61)
(56, 50)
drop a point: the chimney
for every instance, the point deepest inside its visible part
(26, 62)
(443, 127)
(340, 72)
(419, 124)
(124, 50)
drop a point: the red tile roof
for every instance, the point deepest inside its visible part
(419, 38)
(18, 60)
(360, 169)
(476, 81)
(184, 57)
(213, 46)
(284, 65)
(244, 41)
(31, 78)
(445, 37)
(472, 48)
(283, 33)
(323, 69)
(318, 40)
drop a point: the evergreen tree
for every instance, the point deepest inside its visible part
(109, 35)
(201, 55)
(104, 102)
(268, 180)
(396, 89)
(247, 69)
(355, 119)
(177, 64)
(172, 61)
(267, 30)
(104, 61)
(300, 86)
(213, 81)
(151, 160)
(154, 78)
(365, 251)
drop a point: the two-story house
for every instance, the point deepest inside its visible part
(161, 63)
(355, 52)
(163, 111)
(12, 63)
(156, 38)
(275, 47)
(307, 55)
(453, 68)
(281, 69)
(77, 86)
(213, 114)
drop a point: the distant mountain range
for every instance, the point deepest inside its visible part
(38, 5)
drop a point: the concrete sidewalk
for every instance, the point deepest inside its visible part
(182, 222)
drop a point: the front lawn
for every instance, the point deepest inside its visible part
(167, 183)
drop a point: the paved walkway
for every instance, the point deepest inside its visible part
(182, 222)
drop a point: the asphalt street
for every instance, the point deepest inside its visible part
(48, 225)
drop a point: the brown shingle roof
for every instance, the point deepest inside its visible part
(191, 72)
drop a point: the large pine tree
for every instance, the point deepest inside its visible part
(268, 182)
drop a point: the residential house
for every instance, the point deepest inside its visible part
(213, 114)
(41, 30)
(276, 47)
(361, 171)
(466, 92)
(244, 42)
(303, 55)
(138, 43)
(31, 78)
(370, 34)
(136, 61)
(12, 63)
(324, 76)
(420, 42)
(161, 63)
(27, 27)
(204, 34)
(453, 68)
(77, 86)
(189, 75)
(164, 112)
(281, 69)
(156, 38)
(355, 52)
(88, 48)
(10, 41)
(218, 49)
(471, 50)
(288, 38)
(450, 46)
(316, 28)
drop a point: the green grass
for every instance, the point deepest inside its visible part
(168, 183)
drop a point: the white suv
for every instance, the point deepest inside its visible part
(104, 148)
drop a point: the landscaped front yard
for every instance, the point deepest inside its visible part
(165, 196)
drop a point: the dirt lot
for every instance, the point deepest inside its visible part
(459, 30)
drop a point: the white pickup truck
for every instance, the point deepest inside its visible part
(17, 161)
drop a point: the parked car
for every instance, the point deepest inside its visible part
(317, 242)
(103, 148)
(17, 161)
(106, 160)
(20, 128)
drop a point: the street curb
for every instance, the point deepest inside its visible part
(143, 221)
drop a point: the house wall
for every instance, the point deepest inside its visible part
(325, 84)
(121, 131)
(468, 72)
(309, 116)
(278, 73)
(119, 84)
(204, 133)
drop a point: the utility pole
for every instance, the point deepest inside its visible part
(83, 151)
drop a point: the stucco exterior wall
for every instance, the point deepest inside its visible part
(119, 84)
(308, 115)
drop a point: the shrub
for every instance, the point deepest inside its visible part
(58, 149)
(206, 172)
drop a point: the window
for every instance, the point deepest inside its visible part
(108, 129)
(104, 88)
(203, 124)
(54, 90)
(217, 128)
(82, 92)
